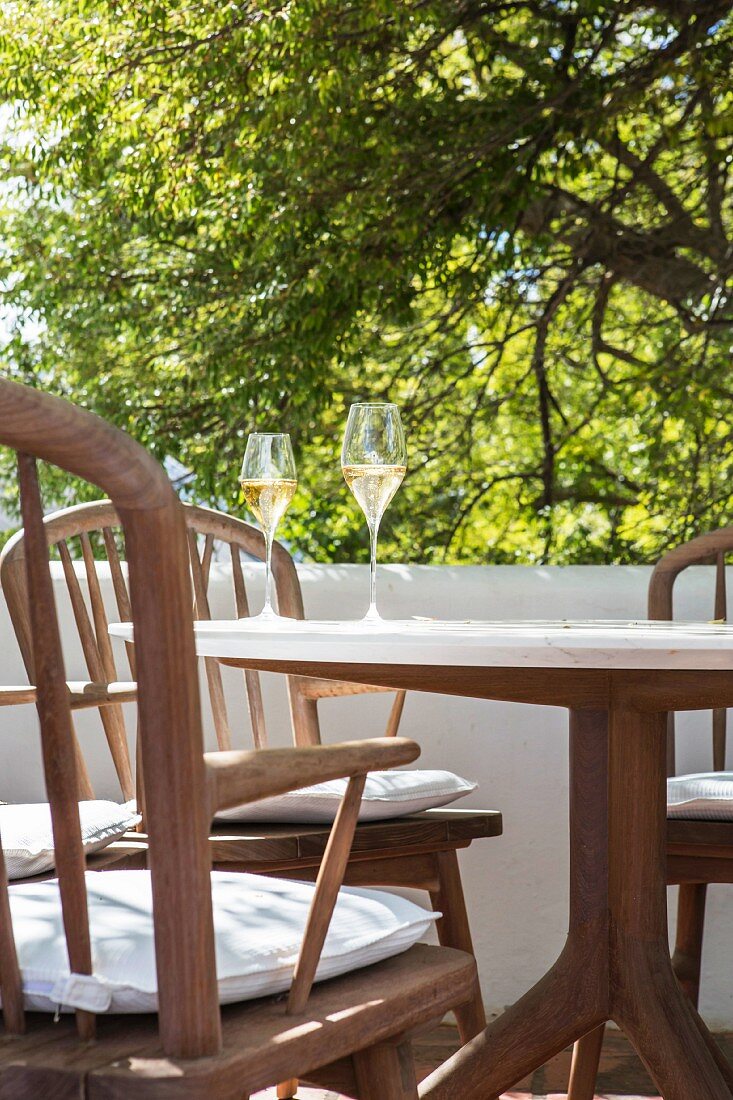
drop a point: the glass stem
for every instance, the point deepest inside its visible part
(372, 613)
(269, 538)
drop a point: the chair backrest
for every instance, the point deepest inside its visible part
(211, 532)
(79, 535)
(37, 425)
(711, 550)
(71, 533)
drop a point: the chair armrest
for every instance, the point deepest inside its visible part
(100, 693)
(313, 688)
(237, 777)
(13, 696)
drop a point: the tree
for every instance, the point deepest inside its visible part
(513, 218)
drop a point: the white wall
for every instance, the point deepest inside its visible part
(516, 885)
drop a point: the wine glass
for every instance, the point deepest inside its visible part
(268, 481)
(374, 461)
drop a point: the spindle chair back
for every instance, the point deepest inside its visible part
(88, 540)
(211, 532)
(71, 535)
(710, 549)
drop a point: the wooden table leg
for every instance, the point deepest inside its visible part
(646, 999)
(616, 961)
(720, 1060)
(573, 997)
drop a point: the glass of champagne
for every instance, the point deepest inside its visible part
(268, 481)
(374, 461)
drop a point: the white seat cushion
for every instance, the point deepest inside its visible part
(704, 796)
(259, 924)
(27, 836)
(386, 794)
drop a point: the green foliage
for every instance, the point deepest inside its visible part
(513, 218)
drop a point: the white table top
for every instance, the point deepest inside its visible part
(563, 644)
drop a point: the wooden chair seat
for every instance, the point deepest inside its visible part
(376, 857)
(280, 845)
(261, 1042)
(683, 833)
(699, 852)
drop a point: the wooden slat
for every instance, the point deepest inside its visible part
(206, 559)
(81, 616)
(11, 986)
(393, 723)
(720, 715)
(86, 635)
(15, 591)
(112, 717)
(253, 686)
(121, 593)
(328, 883)
(99, 615)
(140, 779)
(172, 759)
(118, 577)
(671, 745)
(721, 602)
(213, 669)
(719, 739)
(57, 737)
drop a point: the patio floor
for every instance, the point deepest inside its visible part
(622, 1076)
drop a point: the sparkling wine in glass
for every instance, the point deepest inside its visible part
(268, 481)
(374, 461)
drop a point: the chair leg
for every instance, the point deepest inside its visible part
(386, 1072)
(454, 931)
(686, 962)
(687, 956)
(584, 1068)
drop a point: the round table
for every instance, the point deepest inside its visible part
(618, 680)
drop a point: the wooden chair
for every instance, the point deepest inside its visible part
(699, 852)
(352, 1030)
(103, 689)
(419, 851)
